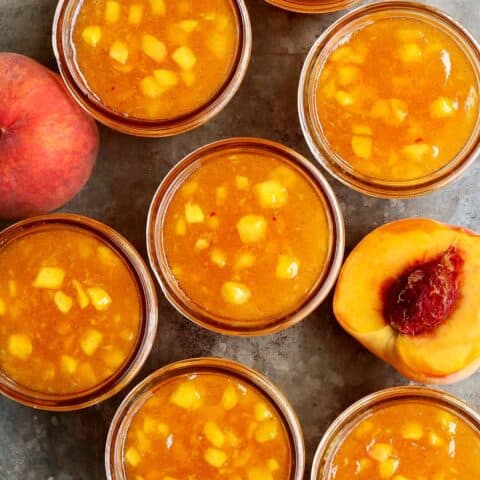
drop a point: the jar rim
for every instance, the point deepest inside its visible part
(324, 6)
(357, 411)
(146, 330)
(131, 404)
(315, 138)
(175, 295)
(150, 127)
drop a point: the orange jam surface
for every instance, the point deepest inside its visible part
(207, 426)
(397, 99)
(247, 236)
(409, 441)
(69, 310)
(155, 59)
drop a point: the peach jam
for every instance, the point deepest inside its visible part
(70, 310)
(397, 99)
(247, 236)
(408, 441)
(207, 426)
(155, 59)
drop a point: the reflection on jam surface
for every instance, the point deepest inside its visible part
(408, 441)
(397, 99)
(207, 426)
(69, 309)
(246, 236)
(155, 59)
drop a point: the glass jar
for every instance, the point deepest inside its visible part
(132, 403)
(63, 48)
(147, 326)
(159, 262)
(313, 6)
(357, 412)
(309, 118)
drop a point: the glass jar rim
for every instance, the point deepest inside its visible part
(132, 403)
(174, 294)
(319, 146)
(325, 6)
(147, 329)
(358, 410)
(145, 127)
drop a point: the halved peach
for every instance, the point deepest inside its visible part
(437, 339)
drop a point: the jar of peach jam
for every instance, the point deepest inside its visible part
(245, 236)
(401, 433)
(78, 312)
(389, 99)
(154, 68)
(205, 418)
(313, 6)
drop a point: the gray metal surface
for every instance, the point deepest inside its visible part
(319, 367)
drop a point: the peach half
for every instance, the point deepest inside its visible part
(409, 292)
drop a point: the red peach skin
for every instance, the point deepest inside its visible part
(48, 145)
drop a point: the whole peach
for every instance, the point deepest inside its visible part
(48, 145)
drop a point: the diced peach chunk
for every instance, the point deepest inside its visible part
(132, 457)
(113, 358)
(347, 74)
(90, 341)
(244, 260)
(410, 52)
(150, 87)
(184, 57)
(258, 473)
(68, 364)
(158, 7)
(20, 346)
(180, 227)
(3, 307)
(194, 213)
(236, 293)
(252, 228)
(284, 175)
(266, 431)
(229, 398)
(262, 412)
(153, 48)
(186, 396)
(213, 434)
(412, 431)
(271, 194)
(108, 257)
(92, 35)
(100, 298)
(63, 301)
(119, 51)
(434, 439)
(273, 465)
(214, 457)
(344, 99)
(188, 77)
(188, 25)
(49, 277)
(220, 195)
(380, 451)
(362, 146)
(346, 54)
(86, 372)
(217, 44)
(112, 11)
(443, 107)
(409, 34)
(202, 243)
(388, 468)
(82, 297)
(287, 267)
(166, 78)
(399, 109)
(135, 14)
(362, 465)
(163, 429)
(189, 188)
(242, 183)
(218, 257)
(361, 129)
(416, 151)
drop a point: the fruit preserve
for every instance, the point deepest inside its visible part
(70, 309)
(155, 59)
(207, 426)
(247, 235)
(397, 99)
(408, 440)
